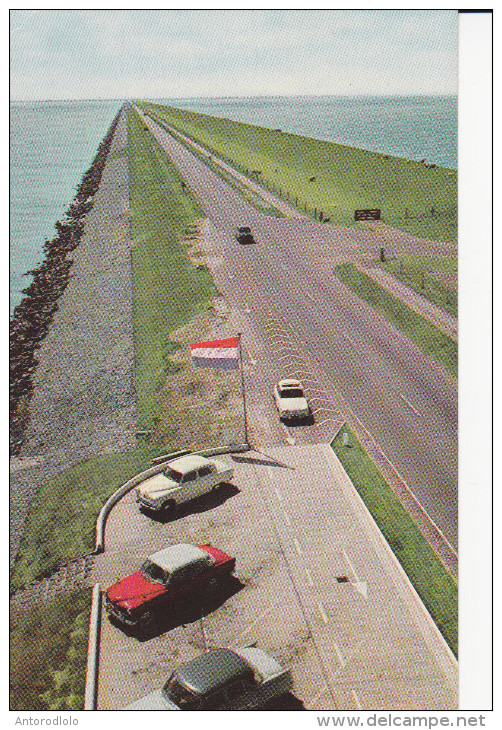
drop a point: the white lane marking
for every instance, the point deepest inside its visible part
(286, 517)
(253, 624)
(291, 356)
(309, 297)
(327, 420)
(250, 356)
(204, 635)
(356, 700)
(309, 578)
(278, 494)
(410, 405)
(339, 654)
(289, 438)
(298, 547)
(285, 357)
(313, 702)
(322, 612)
(361, 586)
(349, 339)
(277, 350)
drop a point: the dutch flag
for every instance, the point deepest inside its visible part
(221, 354)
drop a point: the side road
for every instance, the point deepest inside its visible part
(421, 305)
(288, 210)
(430, 311)
(316, 586)
(83, 402)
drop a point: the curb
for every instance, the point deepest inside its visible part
(136, 480)
(92, 674)
(91, 683)
(381, 538)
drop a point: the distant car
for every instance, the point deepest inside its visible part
(221, 679)
(243, 235)
(175, 575)
(183, 479)
(290, 400)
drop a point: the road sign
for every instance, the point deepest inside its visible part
(367, 214)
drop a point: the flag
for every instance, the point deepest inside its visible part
(221, 354)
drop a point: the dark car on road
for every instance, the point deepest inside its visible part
(221, 679)
(243, 235)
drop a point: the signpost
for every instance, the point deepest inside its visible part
(367, 214)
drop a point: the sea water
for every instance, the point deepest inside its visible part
(53, 143)
(414, 127)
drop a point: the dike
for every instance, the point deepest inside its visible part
(73, 392)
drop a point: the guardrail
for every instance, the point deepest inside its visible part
(92, 674)
(91, 682)
(136, 480)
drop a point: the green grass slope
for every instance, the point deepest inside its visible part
(346, 178)
(417, 270)
(48, 654)
(419, 330)
(169, 289)
(435, 586)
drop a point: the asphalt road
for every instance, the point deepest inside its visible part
(406, 401)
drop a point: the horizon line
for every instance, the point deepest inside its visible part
(249, 96)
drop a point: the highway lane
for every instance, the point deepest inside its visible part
(405, 400)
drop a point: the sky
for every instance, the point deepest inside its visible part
(119, 54)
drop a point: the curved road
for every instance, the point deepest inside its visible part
(406, 401)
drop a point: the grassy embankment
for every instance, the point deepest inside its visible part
(169, 289)
(419, 330)
(48, 654)
(410, 270)
(49, 644)
(433, 583)
(346, 178)
(251, 196)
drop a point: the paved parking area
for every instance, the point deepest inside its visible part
(316, 586)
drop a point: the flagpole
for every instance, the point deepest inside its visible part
(239, 334)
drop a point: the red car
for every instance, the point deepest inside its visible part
(176, 574)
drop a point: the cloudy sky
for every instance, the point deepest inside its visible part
(85, 54)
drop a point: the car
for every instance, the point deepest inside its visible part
(290, 400)
(243, 235)
(175, 575)
(221, 679)
(183, 479)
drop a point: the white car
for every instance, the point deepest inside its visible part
(221, 679)
(290, 400)
(183, 479)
